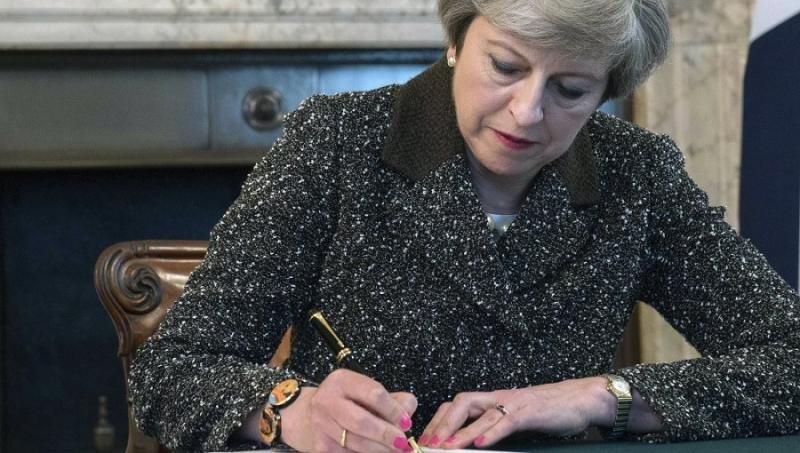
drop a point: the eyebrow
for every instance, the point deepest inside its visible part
(588, 75)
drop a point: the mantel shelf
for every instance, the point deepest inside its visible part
(218, 24)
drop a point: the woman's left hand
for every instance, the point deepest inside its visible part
(560, 409)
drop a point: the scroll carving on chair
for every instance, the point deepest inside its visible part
(138, 282)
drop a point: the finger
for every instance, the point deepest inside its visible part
(427, 437)
(338, 407)
(368, 432)
(475, 432)
(437, 432)
(406, 400)
(371, 395)
(464, 406)
(503, 428)
(379, 431)
(324, 444)
(331, 431)
(357, 443)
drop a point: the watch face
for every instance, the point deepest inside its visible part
(284, 392)
(622, 386)
(619, 384)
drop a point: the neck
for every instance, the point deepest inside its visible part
(498, 194)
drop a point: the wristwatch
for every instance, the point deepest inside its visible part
(281, 396)
(620, 388)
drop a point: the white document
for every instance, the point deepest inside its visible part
(438, 450)
(425, 449)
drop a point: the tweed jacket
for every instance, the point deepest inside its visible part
(366, 210)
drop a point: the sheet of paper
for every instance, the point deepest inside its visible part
(438, 450)
(425, 449)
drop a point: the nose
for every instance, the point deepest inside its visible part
(527, 102)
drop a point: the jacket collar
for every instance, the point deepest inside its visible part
(424, 134)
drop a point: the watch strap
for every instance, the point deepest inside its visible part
(281, 396)
(624, 403)
(621, 419)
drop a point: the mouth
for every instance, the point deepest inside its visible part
(513, 141)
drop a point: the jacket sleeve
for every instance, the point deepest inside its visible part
(204, 370)
(720, 292)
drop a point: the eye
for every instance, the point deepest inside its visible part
(569, 93)
(504, 68)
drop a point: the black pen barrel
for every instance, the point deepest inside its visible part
(335, 344)
(352, 365)
(326, 332)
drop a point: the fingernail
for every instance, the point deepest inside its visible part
(424, 439)
(435, 440)
(405, 423)
(480, 441)
(401, 443)
(450, 440)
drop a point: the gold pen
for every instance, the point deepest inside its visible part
(343, 354)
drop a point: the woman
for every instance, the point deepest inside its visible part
(374, 206)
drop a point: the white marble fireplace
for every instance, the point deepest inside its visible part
(148, 24)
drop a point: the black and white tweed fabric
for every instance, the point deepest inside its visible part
(365, 209)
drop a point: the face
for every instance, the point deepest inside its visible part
(520, 107)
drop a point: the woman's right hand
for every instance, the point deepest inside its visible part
(375, 419)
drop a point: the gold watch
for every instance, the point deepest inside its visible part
(620, 388)
(282, 395)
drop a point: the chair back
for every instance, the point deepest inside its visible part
(137, 282)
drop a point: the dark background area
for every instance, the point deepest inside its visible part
(59, 346)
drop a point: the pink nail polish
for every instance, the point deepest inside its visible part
(405, 423)
(424, 439)
(480, 440)
(401, 443)
(435, 440)
(450, 440)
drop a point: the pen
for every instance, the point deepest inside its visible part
(343, 354)
(335, 344)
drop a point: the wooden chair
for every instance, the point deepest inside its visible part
(137, 283)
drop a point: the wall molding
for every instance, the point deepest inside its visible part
(214, 24)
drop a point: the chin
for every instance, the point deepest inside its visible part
(507, 170)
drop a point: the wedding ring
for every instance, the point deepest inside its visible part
(501, 408)
(343, 439)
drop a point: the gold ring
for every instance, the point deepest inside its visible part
(343, 439)
(501, 408)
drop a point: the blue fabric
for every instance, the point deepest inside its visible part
(770, 186)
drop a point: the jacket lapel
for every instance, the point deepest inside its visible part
(548, 232)
(442, 213)
(449, 235)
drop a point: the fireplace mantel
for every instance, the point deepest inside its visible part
(217, 24)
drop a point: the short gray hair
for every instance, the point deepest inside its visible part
(634, 35)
